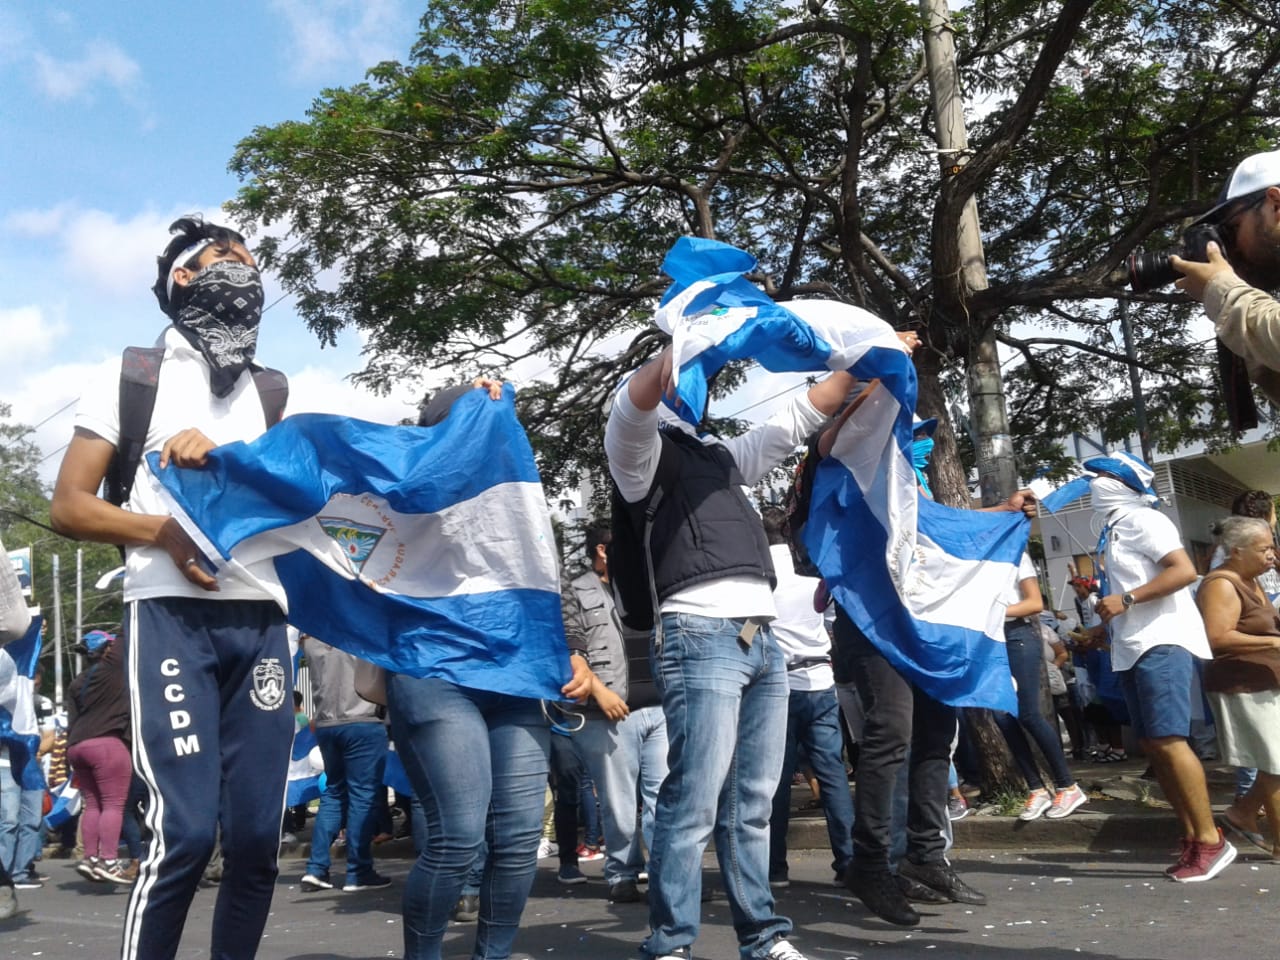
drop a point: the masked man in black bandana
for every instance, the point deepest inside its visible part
(207, 659)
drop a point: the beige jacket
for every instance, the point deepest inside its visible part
(1247, 320)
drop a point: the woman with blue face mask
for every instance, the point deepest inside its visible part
(921, 450)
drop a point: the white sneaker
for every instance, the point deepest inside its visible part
(1066, 801)
(783, 950)
(1037, 803)
(547, 848)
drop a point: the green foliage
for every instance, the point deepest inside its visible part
(24, 518)
(509, 190)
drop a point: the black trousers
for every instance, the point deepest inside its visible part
(898, 715)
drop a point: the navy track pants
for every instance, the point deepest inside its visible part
(211, 690)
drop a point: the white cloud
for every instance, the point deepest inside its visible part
(113, 256)
(37, 223)
(320, 390)
(325, 33)
(102, 62)
(28, 336)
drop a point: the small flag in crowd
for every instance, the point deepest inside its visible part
(18, 730)
(926, 583)
(426, 550)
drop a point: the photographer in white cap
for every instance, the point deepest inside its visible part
(1232, 285)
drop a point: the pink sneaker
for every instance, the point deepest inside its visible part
(1065, 802)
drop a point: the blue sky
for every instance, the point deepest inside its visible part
(120, 117)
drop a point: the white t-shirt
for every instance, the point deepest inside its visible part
(800, 631)
(1135, 545)
(1026, 571)
(183, 399)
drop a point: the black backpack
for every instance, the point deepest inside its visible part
(139, 380)
(629, 553)
(796, 507)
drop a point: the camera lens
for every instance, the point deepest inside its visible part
(1147, 271)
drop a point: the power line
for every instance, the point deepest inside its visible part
(68, 406)
(795, 386)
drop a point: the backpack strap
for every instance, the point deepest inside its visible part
(139, 379)
(139, 382)
(273, 391)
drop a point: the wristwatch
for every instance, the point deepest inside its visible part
(1128, 600)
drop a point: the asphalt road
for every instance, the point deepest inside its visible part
(1048, 905)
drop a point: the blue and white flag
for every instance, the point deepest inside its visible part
(18, 728)
(926, 583)
(715, 314)
(426, 550)
(306, 769)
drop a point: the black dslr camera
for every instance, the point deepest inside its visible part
(1147, 271)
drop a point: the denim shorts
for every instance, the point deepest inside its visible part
(1157, 691)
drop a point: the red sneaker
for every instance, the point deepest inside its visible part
(1183, 853)
(1205, 861)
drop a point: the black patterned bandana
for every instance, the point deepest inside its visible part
(219, 316)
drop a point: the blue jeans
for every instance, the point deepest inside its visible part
(628, 761)
(355, 757)
(725, 704)
(478, 764)
(813, 719)
(1026, 661)
(19, 825)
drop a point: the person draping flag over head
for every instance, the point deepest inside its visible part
(925, 582)
(426, 550)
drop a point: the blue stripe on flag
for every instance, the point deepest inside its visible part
(508, 641)
(1068, 493)
(974, 535)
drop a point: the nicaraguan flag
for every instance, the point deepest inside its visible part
(306, 778)
(927, 584)
(18, 729)
(715, 314)
(427, 550)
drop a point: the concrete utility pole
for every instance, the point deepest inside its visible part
(997, 470)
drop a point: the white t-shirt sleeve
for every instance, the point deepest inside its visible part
(762, 448)
(99, 408)
(1157, 537)
(1026, 569)
(632, 446)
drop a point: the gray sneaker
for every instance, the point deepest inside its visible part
(8, 902)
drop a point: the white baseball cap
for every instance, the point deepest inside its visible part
(1251, 175)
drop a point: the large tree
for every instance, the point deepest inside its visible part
(509, 191)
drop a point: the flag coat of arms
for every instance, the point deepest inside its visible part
(926, 583)
(426, 550)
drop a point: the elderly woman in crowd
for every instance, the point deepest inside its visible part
(1243, 680)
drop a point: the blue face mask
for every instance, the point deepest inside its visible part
(920, 451)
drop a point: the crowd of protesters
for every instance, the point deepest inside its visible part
(702, 657)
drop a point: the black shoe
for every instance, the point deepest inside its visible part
(779, 881)
(879, 893)
(940, 876)
(625, 891)
(467, 909)
(917, 892)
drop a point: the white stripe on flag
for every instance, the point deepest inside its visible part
(950, 591)
(478, 546)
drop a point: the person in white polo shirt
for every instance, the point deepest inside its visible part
(1151, 617)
